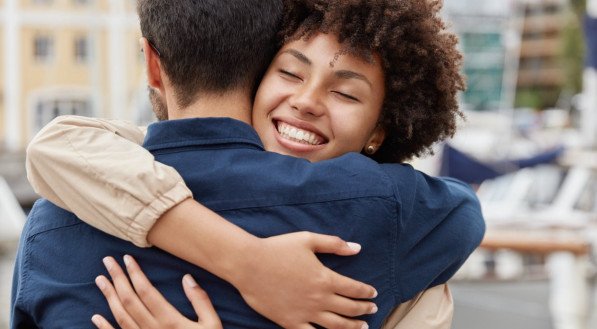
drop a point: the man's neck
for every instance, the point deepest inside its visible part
(234, 104)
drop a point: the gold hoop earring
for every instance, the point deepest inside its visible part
(370, 149)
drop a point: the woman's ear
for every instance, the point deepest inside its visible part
(375, 140)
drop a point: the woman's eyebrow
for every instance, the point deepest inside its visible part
(346, 74)
(300, 56)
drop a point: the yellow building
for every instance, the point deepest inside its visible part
(68, 57)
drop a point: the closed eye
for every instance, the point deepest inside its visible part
(347, 96)
(289, 74)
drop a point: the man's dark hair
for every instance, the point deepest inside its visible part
(419, 57)
(211, 45)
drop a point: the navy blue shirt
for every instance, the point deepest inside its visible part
(416, 230)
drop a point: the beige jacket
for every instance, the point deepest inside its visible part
(97, 169)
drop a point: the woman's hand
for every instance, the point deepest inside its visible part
(144, 306)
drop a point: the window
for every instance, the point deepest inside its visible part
(82, 2)
(42, 2)
(48, 109)
(43, 48)
(82, 49)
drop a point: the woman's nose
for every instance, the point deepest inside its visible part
(307, 100)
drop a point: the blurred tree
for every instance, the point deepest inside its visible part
(579, 7)
(573, 47)
(537, 98)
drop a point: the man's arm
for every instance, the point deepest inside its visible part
(85, 166)
(440, 225)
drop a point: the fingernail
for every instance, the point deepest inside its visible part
(127, 260)
(189, 281)
(96, 320)
(108, 263)
(100, 283)
(365, 326)
(354, 246)
(374, 309)
(374, 293)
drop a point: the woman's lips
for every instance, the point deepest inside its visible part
(296, 134)
(295, 139)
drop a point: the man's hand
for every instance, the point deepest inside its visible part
(284, 281)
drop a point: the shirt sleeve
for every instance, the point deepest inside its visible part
(440, 224)
(430, 309)
(97, 169)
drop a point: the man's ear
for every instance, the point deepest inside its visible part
(375, 140)
(153, 65)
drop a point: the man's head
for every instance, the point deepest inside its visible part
(210, 46)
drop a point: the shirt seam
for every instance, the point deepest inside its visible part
(213, 204)
(44, 231)
(203, 142)
(397, 291)
(25, 273)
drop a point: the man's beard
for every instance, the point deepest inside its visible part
(159, 106)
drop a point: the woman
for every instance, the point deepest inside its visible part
(399, 100)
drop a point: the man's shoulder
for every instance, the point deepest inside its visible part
(359, 163)
(399, 178)
(351, 172)
(351, 165)
(271, 179)
(46, 216)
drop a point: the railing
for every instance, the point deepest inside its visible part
(12, 216)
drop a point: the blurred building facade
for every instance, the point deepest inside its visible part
(484, 28)
(81, 57)
(541, 71)
(67, 57)
(513, 50)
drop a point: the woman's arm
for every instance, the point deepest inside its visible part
(86, 166)
(430, 309)
(143, 306)
(96, 169)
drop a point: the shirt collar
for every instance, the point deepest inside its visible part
(200, 131)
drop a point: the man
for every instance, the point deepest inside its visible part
(224, 91)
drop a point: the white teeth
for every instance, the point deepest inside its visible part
(290, 132)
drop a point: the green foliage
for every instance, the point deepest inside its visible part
(579, 7)
(573, 47)
(536, 98)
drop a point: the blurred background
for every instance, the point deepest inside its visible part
(528, 145)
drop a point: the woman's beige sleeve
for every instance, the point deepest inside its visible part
(97, 169)
(431, 309)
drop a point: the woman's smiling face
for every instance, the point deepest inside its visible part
(317, 105)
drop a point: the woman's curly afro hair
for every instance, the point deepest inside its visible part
(419, 57)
